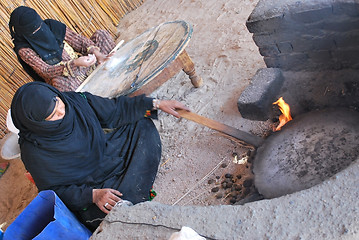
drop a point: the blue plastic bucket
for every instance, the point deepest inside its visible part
(46, 217)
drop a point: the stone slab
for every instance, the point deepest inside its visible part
(256, 100)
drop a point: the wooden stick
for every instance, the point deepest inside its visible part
(228, 130)
(117, 46)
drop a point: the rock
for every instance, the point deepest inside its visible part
(237, 187)
(233, 200)
(228, 175)
(215, 189)
(247, 183)
(224, 165)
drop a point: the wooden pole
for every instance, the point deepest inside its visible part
(223, 128)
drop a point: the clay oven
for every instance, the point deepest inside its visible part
(311, 50)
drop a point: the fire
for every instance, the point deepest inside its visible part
(285, 116)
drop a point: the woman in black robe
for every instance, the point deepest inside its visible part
(65, 149)
(51, 52)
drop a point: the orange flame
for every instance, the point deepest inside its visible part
(285, 116)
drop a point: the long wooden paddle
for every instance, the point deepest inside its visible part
(223, 128)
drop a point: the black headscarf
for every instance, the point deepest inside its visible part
(41, 106)
(47, 41)
(57, 148)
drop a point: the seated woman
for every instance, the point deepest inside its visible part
(65, 149)
(51, 52)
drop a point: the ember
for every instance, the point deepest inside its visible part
(285, 116)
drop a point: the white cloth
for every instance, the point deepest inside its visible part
(186, 233)
(9, 123)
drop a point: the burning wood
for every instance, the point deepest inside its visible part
(285, 116)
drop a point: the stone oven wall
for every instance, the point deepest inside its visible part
(315, 45)
(307, 35)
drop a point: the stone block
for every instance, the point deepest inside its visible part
(256, 100)
(312, 16)
(348, 39)
(285, 47)
(350, 8)
(348, 58)
(266, 25)
(284, 37)
(269, 50)
(308, 44)
(322, 56)
(341, 24)
(271, 62)
(291, 62)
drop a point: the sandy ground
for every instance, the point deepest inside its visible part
(226, 58)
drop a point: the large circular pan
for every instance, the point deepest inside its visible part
(139, 61)
(308, 150)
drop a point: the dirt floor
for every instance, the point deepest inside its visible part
(195, 159)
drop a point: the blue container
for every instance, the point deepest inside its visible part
(46, 217)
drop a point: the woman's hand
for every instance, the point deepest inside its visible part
(101, 58)
(106, 198)
(170, 106)
(85, 61)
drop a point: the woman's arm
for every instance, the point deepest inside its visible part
(123, 110)
(79, 43)
(48, 72)
(79, 198)
(43, 69)
(84, 45)
(75, 197)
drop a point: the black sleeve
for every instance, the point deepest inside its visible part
(122, 110)
(75, 197)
